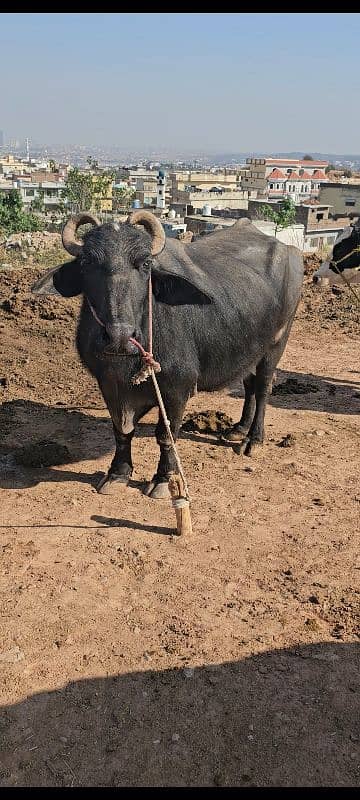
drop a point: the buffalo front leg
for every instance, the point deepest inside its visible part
(158, 489)
(121, 466)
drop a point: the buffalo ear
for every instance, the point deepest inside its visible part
(64, 280)
(176, 291)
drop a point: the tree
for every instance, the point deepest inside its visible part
(282, 217)
(330, 168)
(123, 197)
(84, 191)
(347, 173)
(52, 165)
(38, 204)
(13, 218)
(307, 157)
(93, 163)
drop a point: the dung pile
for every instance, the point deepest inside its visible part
(207, 422)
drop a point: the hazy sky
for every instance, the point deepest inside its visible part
(209, 82)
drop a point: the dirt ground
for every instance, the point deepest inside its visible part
(132, 657)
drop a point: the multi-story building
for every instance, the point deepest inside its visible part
(49, 191)
(320, 230)
(280, 177)
(344, 199)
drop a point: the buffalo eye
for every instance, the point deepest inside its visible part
(145, 264)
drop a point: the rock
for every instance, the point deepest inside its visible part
(189, 672)
(287, 441)
(12, 656)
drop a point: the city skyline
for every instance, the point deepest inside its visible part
(189, 83)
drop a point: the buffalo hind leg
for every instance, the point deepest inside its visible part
(158, 489)
(263, 386)
(241, 429)
(121, 466)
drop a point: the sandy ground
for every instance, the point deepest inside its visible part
(132, 657)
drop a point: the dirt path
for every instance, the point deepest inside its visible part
(130, 657)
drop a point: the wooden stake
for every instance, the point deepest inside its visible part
(181, 505)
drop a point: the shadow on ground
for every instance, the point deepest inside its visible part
(333, 396)
(281, 718)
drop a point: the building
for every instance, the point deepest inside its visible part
(187, 180)
(49, 191)
(160, 190)
(343, 198)
(174, 227)
(320, 230)
(279, 177)
(217, 197)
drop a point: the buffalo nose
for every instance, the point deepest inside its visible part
(119, 333)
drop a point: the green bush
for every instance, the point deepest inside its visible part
(13, 218)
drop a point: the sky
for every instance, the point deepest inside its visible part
(211, 82)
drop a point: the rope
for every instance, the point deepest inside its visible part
(150, 367)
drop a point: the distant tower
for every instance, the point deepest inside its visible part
(1, 138)
(160, 190)
(27, 149)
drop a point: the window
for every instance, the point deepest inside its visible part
(319, 217)
(350, 202)
(271, 185)
(314, 242)
(29, 192)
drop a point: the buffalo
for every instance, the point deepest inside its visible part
(344, 264)
(222, 309)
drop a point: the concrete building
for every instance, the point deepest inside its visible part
(160, 190)
(343, 198)
(217, 198)
(190, 180)
(320, 231)
(275, 177)
(49, 191)
(174, 227)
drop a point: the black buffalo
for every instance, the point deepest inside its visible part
(344, 262)
(223, 307)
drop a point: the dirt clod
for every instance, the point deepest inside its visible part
(42, 454)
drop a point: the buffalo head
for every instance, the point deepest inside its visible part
(111, 269)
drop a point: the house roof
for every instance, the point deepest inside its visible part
(296, 162)
(276, 174)
(294, 177)
(319, 175)
(305, 176)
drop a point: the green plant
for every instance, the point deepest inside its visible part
(84, 191)
(122, 197)
(282, 216)
(13, 218)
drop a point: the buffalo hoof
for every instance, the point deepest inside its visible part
(110, 484)
(235, 435)
(157, 490)
(246, 447)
